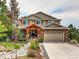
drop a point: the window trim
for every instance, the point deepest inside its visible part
(50, 22)
(38, 21)
(25, 21)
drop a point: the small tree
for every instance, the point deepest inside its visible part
(77, 37)
(4, 18)
(14, 13)
(73, 33)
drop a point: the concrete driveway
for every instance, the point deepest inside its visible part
(61, 51)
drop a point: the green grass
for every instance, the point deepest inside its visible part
(10, 45)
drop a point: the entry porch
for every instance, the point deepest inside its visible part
(33, 31)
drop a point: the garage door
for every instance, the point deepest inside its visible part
(54, 36)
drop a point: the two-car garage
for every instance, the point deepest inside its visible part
(54, 36)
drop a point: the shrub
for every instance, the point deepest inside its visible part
(34, 44)
(17, 46)
(40, 40)
(73, 41)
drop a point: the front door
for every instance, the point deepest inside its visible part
(33, 33)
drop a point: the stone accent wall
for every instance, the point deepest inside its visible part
(66, 35)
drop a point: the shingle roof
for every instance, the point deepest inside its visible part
(55, 28)
(43, 16)
(44, 27)
(55, 24)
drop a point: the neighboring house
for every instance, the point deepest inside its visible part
(43, 26)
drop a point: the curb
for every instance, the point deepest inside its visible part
(44, 51)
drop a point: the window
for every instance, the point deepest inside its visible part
(25, 22)
(38, 22)
(44, 23)
(50, 22)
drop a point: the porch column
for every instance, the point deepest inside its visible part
(27, 34)
(38, 33)
(42, 34)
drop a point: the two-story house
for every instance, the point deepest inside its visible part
(43, 26)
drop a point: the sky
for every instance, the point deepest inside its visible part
(67, 10)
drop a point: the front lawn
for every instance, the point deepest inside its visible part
(9, 46)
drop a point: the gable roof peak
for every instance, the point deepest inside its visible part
(40, 12)
(47, 15)
(55, 24)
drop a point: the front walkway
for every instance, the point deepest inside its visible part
(61, 51)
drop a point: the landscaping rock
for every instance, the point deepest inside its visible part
(12, 54)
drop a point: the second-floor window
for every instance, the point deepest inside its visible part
(38, 21)
(25, 22)
(50, 22)
(44, 23)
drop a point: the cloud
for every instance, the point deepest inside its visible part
(67, 14)
(33, 6)
(69, 21)
(68, 17)
(62, 9)
(65, 9)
